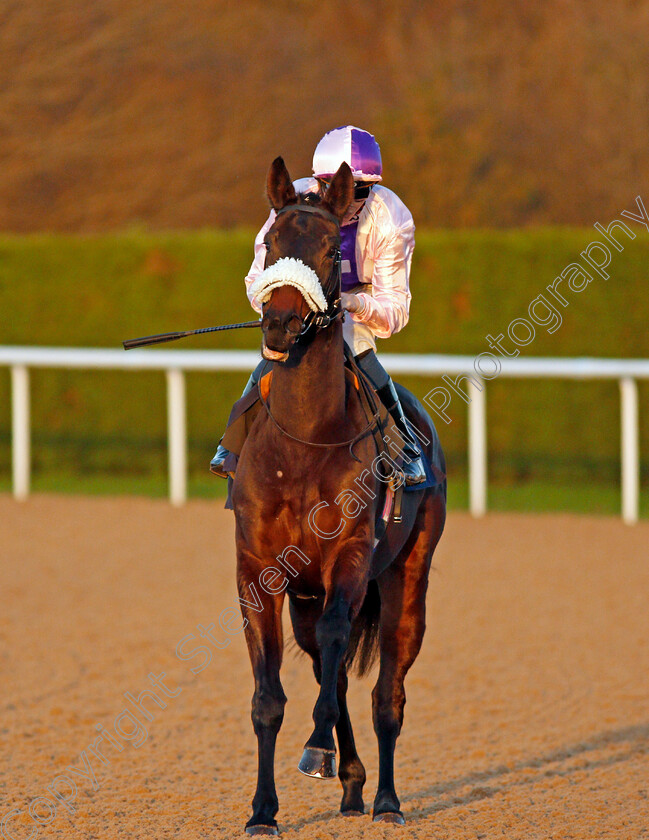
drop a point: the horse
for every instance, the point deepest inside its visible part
(349, 600)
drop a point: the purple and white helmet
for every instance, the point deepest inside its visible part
(351, 144)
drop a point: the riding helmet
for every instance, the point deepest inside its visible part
(353, 145)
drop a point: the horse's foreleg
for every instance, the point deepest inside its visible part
(332, 636)
(403, 622)
(351, 772)
(305, 615)
(265, 644)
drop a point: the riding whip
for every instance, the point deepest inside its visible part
(131, 343)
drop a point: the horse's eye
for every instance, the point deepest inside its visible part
(332, 251)
(267, 245)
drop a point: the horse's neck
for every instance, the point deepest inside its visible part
(309, 399)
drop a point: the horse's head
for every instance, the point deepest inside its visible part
(306, 229)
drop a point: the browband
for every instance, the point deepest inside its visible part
(309, 208)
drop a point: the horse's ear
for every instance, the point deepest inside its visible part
(340, 193)
(279, 187)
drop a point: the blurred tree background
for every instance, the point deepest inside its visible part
(167, 114)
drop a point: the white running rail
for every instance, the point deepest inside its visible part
(176, 362)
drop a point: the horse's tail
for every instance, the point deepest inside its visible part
(363, 646)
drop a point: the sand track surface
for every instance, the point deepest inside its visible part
(527, 713)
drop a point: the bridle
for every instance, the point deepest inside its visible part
(321, 320)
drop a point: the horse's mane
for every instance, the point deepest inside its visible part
(311, 198)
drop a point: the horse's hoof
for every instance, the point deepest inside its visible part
(317, 763)
(394, 817)
(353, 813)
(261, 829)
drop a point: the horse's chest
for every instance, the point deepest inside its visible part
(296, 511)
(283, 506)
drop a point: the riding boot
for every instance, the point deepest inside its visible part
(413, 466)
(216, 464)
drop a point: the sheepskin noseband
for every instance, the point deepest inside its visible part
(289, 271)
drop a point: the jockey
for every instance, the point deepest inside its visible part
(377, 240)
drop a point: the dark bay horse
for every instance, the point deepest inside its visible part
(346, 596)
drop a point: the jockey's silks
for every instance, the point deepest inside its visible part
(349, 272)
(348, 231)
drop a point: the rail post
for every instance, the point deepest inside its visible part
(478, 451)
(20, 436)
(629, 450)
(177, 436)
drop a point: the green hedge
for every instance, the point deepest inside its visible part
(98, 290)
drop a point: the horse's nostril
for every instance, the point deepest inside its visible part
(290, 323)
(294, 325)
